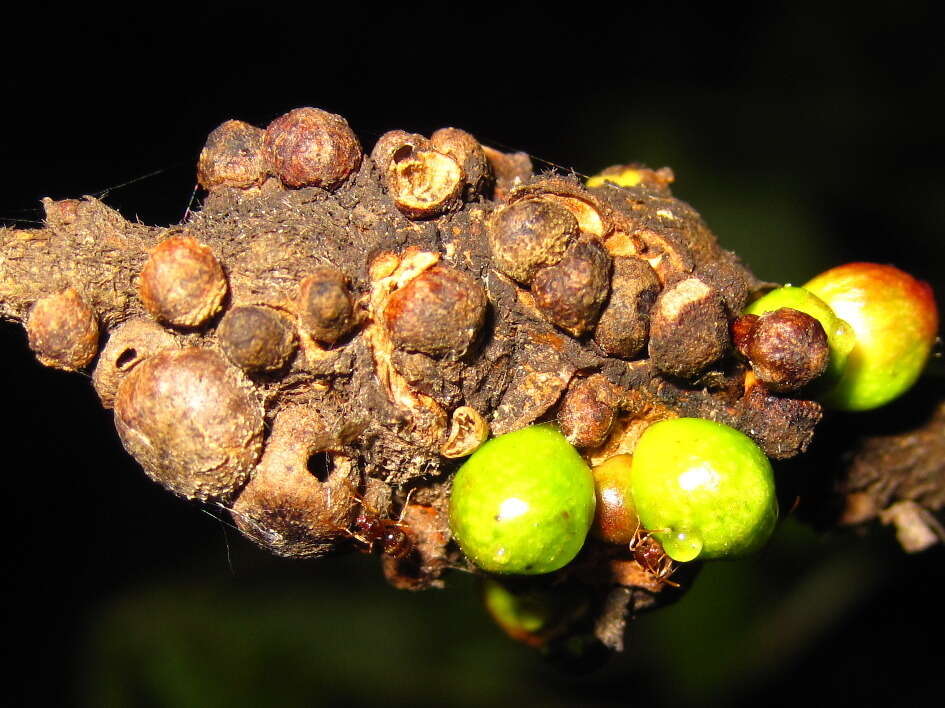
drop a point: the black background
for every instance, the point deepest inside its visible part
(807, 134)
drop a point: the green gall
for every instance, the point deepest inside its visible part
(703, 489)
(523, 502)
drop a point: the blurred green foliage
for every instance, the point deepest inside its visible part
(333, 634)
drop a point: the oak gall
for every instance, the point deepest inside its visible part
(587, 411)
(468, 153)
(787, 348)
(624, 324)
(232, 157)
(325, 307)
(191, 421)
(288, 508)
(424, 183)
(182, 284)
(689, 329)
(530, 235)
(128, 345)
(394, 141)
(438, 313)
(309, 147)
(572, 292)
(63, 331)
(256, 338)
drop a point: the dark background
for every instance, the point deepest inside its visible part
(806, 134)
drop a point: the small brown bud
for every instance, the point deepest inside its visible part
(190, 420)
(530, 235)
(182, 284)
(423, 183)
(127, 346)
(256, 338)
(438, 313)
(63, 331)
(232, 157)
(325, 308)
(510, 169)
(468, 153)
(787, 349)
(572, 292)
(624, 324)
(587, 411)
(299, 502)
(309, 147)
(688, 329)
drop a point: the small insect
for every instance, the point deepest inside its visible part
(380, 534)
(649, 553)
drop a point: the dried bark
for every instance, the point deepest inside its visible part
(405, 310)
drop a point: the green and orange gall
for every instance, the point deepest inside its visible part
(895, 321)
(881, 324)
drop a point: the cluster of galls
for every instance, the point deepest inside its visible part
(553, 241)
(535, 298)
(184, 382)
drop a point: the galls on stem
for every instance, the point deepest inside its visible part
(422, 181)
(232, 157)
(287, 507)
(63, 331)
(587, 411)
(572, 292)
(182, 284)
(325, 306)
(309, 147)
(530, 235)
(256, 338)
(438, 313)
(624, 325)
(189, 419)
(469, 155)
(787, 349)
(689, 329)
(128, 345)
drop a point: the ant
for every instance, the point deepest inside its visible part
(380, 534)
(649, 553)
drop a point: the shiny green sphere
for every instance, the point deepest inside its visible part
(523, 502)
(703, 489)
